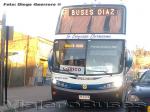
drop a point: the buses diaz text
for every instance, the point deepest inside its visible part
(95, 12)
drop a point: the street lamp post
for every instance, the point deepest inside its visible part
(2, 58)
(5, 35)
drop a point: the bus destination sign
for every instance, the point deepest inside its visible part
(93, 12)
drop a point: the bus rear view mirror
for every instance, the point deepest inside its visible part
(128, 61)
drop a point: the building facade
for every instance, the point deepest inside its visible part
(26, 53)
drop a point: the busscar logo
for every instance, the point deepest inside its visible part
(84, 86)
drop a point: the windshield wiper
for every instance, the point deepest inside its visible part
(76, 75)
(100, 71)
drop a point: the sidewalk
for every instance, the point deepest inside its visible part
(20, 96)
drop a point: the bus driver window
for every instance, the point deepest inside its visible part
(71, 61)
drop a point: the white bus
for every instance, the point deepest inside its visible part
(89, 60)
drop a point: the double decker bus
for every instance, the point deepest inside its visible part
(89, 60)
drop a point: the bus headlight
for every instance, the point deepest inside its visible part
(118, 82)
(54, 81)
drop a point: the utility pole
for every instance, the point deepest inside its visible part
(6, 34)
(2, 58)
(26, 69)
(6, 63)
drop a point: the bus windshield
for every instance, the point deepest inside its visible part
(88, 56)
(105, 19)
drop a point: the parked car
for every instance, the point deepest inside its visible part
(140, 72)
(138, 95)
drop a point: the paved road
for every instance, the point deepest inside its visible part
(76, 110)
(19, 96)
(61, 107)
(31, 95)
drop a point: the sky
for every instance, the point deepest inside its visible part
(42, 20)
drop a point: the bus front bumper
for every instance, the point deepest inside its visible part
(114, 94)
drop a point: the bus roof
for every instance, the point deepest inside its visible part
(97, 5)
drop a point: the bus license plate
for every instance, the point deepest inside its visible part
(84, 97)
(148, 109)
